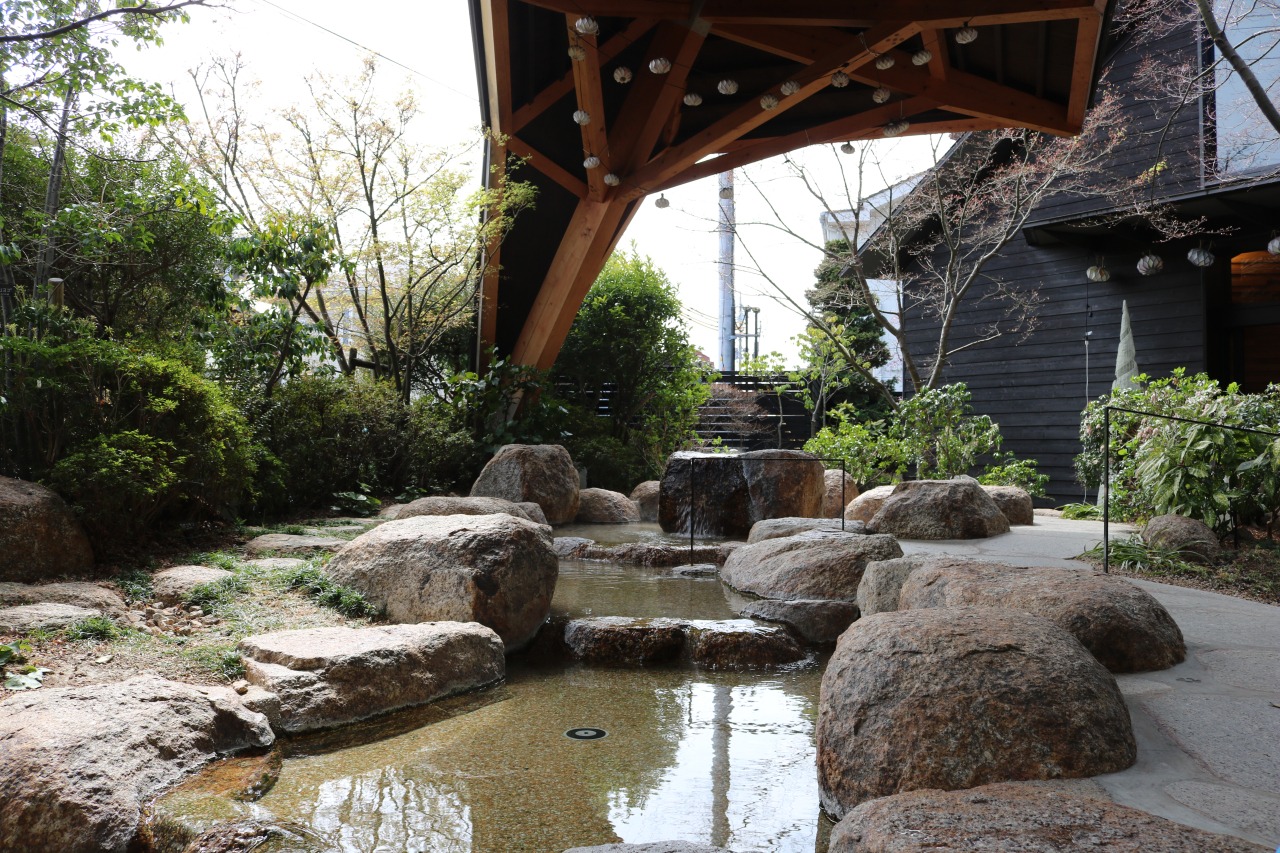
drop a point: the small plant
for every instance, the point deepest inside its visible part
(135, 584)
(212, 596)
(1134, 555)
(100, 629)
(1008, 470)
(316, 585)
(356, 503)
(17, 673)
(1081, 511)
(222, 661)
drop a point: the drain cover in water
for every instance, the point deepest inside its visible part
(585, 734)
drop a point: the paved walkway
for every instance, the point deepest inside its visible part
(1208, 729)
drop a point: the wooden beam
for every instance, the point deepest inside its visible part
(595, 133)
(935, 14)
(854, 52)
(935, 41)
(654, 97)
(1087, 36)
(798, 44)
(669, 9)
(492, 257)
(547, 166)
(497, 55)
(557, 90)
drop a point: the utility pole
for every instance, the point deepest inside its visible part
(726, 230)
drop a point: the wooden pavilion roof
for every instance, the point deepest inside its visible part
(1031, 65)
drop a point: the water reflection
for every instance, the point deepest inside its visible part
(586, 588)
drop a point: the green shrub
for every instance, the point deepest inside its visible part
(1082, 511)
(1008, 470)
(1134, 555)
(98, 628)
(312, 582)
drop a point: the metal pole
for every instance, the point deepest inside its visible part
(728, 313)
(1106, 495)
(692, 494)
(844, 474)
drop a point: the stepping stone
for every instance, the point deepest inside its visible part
(822, 565)
(276, 564)
(46, 616)
(327, 677)
(288, 543)
(173, 585)
(780, 528)
(451, 505)
(730, 644)
(81, 594)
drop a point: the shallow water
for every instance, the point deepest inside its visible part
(725, 758)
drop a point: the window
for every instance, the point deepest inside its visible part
(1245, 141)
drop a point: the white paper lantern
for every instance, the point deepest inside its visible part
(612, 180)
(726, 193)
(884, 63)
(587, 26)
(921, 57)
(692, 99)
(1200, 257)
(577, 52)
(881, 95)
(839, 79)
(622, 74)
(1150, 264)
(1274, 246)
(846, 148)
(896, 128)
(769, 102)
(966, 35)
(1098, 273)
(727, 86)
(661, 65)
(790, 87)
(582, 116)
(592, 162)
(662, 203)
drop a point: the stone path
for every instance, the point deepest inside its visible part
(1208, 729)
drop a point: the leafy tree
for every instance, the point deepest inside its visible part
(628, 338)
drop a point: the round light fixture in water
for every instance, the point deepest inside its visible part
(585, 733)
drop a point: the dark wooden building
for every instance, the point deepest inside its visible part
(1223, 319)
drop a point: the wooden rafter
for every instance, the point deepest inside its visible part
(498, 63)
(547, 166)
(1082, 67)
(595, 133)
(936, 43)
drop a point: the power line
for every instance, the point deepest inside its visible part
(301, 19)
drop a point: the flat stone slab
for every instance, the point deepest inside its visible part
(173, 585)
(819, 564)
(326, 677)
(719, 644)
(1016, 818)
(777, 528)
(651, 847)
(47, 616)
(79, 593)
(817, 621)
(274, 564)
(1236, 720)
(653, 554)
(288, 543)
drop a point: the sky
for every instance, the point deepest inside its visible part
(426, 46)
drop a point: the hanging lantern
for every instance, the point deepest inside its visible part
(846, 148)
(966, 35)
(1098, 273)
(1274, 246)
(1200, 257)
(1150, 264)
(726, 193)
(790, 87)
(921, 57)
(622, 74)
(884, 63)
(587, 26)
(881, 95)
(662, 203)
(582, 116)
(727, 86)
(896, 128)
(577, 52)
(839, 79)
(661, 65)
(769, 102)
(592, 162)
(692, 99)
(612, 180)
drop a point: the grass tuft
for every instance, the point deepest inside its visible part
(97, 628)
(316, 585)
(216, 595)
(222, 661)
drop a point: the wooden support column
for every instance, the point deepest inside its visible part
(491, 260)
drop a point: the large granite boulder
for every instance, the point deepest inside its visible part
(779, 528)
(542, 473)
(1124, 627)
(1194, 540)
(646, 497)
(1014, 503)
(840, 490)
(939, 509)
(816, 621)
(81, 762)
(78, 593)
(292, 544)
(960, 697)
(497, 570)
(326, 677)
(731, 644)
(865, 506)
(173, 585)
(452, 505)
(725, 494)
(40, 537)
(882, 582)
(816, 565)
(45, 616)
(601, 506)
(1015, 817)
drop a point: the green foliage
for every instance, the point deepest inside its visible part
(1134, 555)
(1081, 511)
(1220, 476)
(356, 503)
(628, 337)
(312, 582)
(221, 661)
(216, 595)
(1008, 470)
(17, 673)
(934, 434)
(99, 629)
